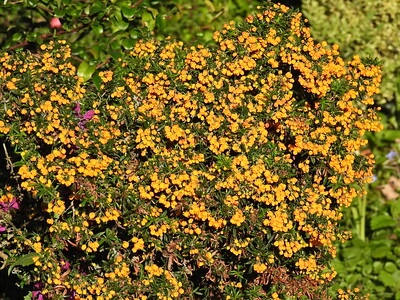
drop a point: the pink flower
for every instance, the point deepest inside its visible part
(88, 115)
(55, 23)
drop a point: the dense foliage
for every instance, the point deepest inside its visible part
(196, 172)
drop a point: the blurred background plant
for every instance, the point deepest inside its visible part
(367, 28)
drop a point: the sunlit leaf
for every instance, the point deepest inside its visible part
(25, 260)
(85, 70)
(381, 221)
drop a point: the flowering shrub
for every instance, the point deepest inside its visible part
(185, 173)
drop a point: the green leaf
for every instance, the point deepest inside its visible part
(97, 29)
(380, 251)
(382, 221)
(134, 34)
(25, 260)
(29, 296)
(395, 209)
(117, 23)
(388, 135)
(397, 297)
(97, 80)
(17, 37)
(160, 22)
(98, 6)
(128, 44)
(85, 70)
(31, 36)
(352, 252)
(386, 278)
(353, 278)
(390, 267)
(148, 20)
(59, 13)
(367, 269)
(128, 12)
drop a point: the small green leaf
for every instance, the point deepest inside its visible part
(128, 44)
(128, 12)
(160, 22)
(117, 23)
(97, 29)
(25, 260)
(380, 251)
(352, 252)
(31, 36)
(85, 70)
(390, 267)
(397, 297)
(98, 6)
(382, 221)
(395, 209)
(353, 278)
(389, 135)
(386, 278)
(59, 13)
(29, 296)
(97, 80)
(134, 34)
(16, 37)
(148, 20)
(367, 269)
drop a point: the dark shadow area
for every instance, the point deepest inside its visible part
(289, 3)
(8, 288)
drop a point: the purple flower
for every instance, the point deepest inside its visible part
(77, 109)
(6, 206)
(3, 229)
(65, 265)
(36, 293)
(72, 295)
(391, 155)
(83, 118)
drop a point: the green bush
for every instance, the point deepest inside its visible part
(366, 28)
(184, 172)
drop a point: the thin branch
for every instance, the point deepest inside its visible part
(45, 36)
(9, 165)
(136, 4)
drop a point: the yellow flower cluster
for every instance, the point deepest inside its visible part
(192, 160)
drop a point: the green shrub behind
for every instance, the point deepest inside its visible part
(185, 172)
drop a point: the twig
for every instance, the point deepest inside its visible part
(45, 36)
(8, 159)
(136, 4)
